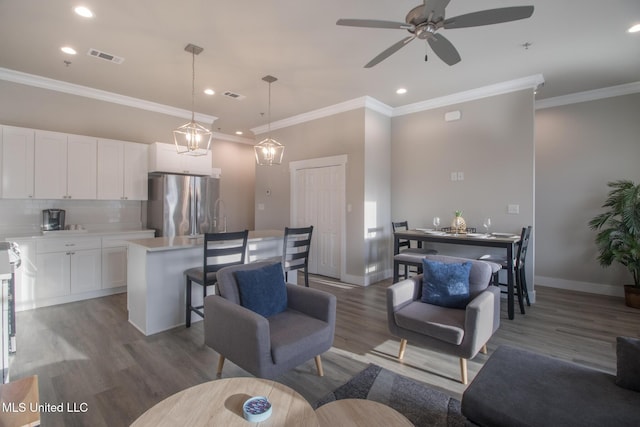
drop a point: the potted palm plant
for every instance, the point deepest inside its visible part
(618, 237)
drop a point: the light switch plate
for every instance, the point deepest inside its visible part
(454, 176)
(513, 209)
(460, 176)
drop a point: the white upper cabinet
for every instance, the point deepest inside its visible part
(51, 165)
(136, 171)
(164, 158)
(17, 162)
(65, 166)
(81, 167)
(122, 170)
(110, 169)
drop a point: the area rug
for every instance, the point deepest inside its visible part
(422, 405)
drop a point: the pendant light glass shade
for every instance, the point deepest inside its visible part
(269, 151)
(192, 138)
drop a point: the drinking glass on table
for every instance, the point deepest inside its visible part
(486, 223)
(436, 222)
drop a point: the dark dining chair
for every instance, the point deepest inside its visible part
(407, 257)
(295, 251)
(519, 272)
(219, 250)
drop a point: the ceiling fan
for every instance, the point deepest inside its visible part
(425, 20)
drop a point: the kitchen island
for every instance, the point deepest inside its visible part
(156, 289)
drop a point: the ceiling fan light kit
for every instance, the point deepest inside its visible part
(192, 138)
(269, 152)
(424, 21)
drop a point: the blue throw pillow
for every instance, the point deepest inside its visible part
(263, 290)
(445, 284)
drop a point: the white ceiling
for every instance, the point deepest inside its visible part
(577, 45)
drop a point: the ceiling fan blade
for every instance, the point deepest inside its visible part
(435, 6)
(444, 49)
(373, 23)
(488, 17)
(389, 51)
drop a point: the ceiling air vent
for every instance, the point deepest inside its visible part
(106, 56)
(234, 95)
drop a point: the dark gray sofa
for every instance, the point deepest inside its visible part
(517, 388)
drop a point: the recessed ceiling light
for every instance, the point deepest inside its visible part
(68, 50)
(401, 91)
(209, 91)
(239, 132)
(634, 29)
(83, 11)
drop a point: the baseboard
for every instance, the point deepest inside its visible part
(574, 285)
(366, 280)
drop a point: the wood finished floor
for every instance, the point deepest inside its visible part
(88, 352)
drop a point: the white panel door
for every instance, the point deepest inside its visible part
(319, 203)
(329, 228)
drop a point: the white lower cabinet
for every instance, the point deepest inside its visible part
(67, 266)
(114, 267)
(58, 270)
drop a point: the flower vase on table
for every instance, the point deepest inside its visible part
(458, 225)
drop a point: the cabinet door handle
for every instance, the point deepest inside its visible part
(69, 244)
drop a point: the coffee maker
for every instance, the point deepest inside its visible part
(52, 219)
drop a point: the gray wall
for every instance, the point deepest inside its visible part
(329, 136)
(492, 144)
(579, 148)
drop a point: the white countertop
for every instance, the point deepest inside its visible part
(185, 242)
(73, 233)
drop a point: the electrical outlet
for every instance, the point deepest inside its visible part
(513, 209)
(260, 206)
(454, 176)
(460, 176)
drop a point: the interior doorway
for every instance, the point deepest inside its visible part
(318, 194)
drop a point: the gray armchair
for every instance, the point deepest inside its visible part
(458, 332)
(268, 347)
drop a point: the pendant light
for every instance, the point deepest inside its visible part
(269, 151)
(192, 138)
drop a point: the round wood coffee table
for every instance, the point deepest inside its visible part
(220, 402)
(360, 412)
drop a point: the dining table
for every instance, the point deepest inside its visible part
(506, 241)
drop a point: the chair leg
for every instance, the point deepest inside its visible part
(463, 370)
(396, 271)
(483, 350)
(306, 277)
(319, 366)
(519, 292)
(188, 304)
(403, 347)
(220, 365)
(525, 291)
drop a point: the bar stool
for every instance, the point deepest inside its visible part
(295, 250)
(408, 257)
(220, 250)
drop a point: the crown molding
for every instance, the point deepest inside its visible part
(233, 138)
(590, 95)
(100, 95)
(354, 104)
(531, 82)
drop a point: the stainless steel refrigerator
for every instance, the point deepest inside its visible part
(182, 205)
